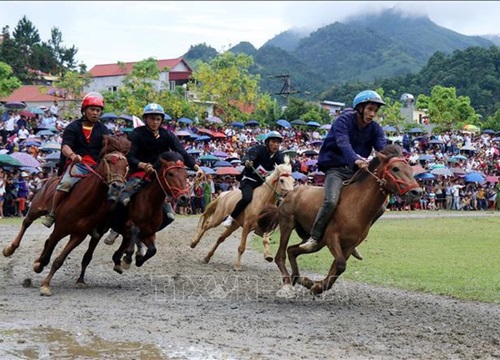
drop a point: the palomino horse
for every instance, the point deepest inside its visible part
(84, 209)
(144, 213)
(358, 207)
(278, 183)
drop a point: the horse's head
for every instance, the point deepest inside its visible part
(281, 178)
(172, 176)
(395, 174)
(113, 166)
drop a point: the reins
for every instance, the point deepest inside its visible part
(276, 193)
(174, 191)
(110, 177)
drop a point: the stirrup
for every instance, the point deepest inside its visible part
(310, 245)
(49, 220)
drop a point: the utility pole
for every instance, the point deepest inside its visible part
(287, 89)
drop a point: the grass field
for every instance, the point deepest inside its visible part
(457, 257)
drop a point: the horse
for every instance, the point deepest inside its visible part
(277, 184)
(144, 215)
(360, 205)
(84, 209)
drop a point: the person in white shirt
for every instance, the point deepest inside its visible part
(54, 109)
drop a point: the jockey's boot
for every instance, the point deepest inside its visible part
(56, 200)
(258, 231)
(169, 211)
(309, 245)
(357, 254)
(228, 222)
(110, 239)
(125, 197)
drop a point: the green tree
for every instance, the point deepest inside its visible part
(305, 110)
(70, 87)
(12, 55)
(446, 109)
(227, 81)
(8, 82)
(65, 57)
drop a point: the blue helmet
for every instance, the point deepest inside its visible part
(367, 96)
(273, 135)
(153, 109)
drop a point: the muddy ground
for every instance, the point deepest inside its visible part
(176, 307)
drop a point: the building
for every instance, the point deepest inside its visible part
(409, 113)
(174, 72)
(333, 107)
(36, 96)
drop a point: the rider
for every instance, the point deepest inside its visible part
(258, 161)
(81, 145)
(148, 143)
(345, 149)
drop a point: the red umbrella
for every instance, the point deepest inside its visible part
(28, 114)
(227, 171)
(492, 179)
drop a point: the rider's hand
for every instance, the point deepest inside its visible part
(249, 163)
(75, 158)
(362, 164)
(148, 168)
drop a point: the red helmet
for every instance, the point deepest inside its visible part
(92, 99)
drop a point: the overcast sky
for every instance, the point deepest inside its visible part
(106, 32)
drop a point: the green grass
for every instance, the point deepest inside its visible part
(457, 257)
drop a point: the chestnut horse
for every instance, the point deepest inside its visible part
(144, 213)
(82, 210)
(277, 184)
(360, 204)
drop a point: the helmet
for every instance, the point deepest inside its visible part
(273, 135)
(153, 108)
(367, 96)
(92, 99)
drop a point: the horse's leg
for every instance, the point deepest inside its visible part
(27, 221)
(80, 283)
(280, 258)
(199, 235)
(150, 243)
(219, 241)
(293, 252)
(73, 242)
(117, 255)
(265, 242)
(127, 256)
(242, 247)
(48, 249)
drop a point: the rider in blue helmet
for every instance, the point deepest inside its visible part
(258, 161)
(349, 143)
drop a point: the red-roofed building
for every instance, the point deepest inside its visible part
(110, 76)
(35, 96)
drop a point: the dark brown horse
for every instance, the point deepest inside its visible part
(84, 209)
(144, 213)
(360, 204)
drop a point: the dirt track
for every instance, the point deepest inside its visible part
(176, 307)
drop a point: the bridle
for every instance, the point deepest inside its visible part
(168, 190)
(383, 173)
(110, 177)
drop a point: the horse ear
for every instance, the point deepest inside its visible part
(381, 156)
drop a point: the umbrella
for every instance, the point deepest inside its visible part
(168, 117)
(325, 127)
(459, 157)
(298, 122)
(126, 117)
(207, 170)
(220, 135)
(205, 131)
(53, 157)
(185, 120)
(442, 171)
(299, 176)
(15, 105)
(284, 123)
(489, 131)
(496, 139)
(313, 123)
(468, 148)
(109, 116)
(426, 157)
(309, 153)
(389, 128)
(6, 159)
(30, 141)
(28, 114)
(436, 142)
(418, 169)
(311, 162)
(227, 171)
(36, 110)
(237, 124)
(492, 179)
(51, 145)
(193, 151)
(222, 164)
(183, 133)
(252, 123)
(457, 171)
(215, 119)
(474, 177)
(26, 159)
(221, 154)
(209, 157)
(203, 138)
(316, 142)
(471, 127)
(44, 133)
(425, 176)
(260, 137)
(290, 153)
(416, 131)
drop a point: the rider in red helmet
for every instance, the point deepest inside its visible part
(81, 144)
(345, 149)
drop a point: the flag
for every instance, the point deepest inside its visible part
(137, 122)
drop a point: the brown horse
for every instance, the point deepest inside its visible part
(144, 213)
(84, 209)
(360, 204)
(278, 183)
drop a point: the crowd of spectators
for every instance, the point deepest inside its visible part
(460, 152)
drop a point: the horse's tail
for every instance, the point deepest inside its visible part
(268, 218)
(209, 211)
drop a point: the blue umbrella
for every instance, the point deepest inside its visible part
(489, 131)
(207, 170)
(44, 133)
(215, 119)
(425, 176)
(126, 117)
(109, 116)
(237, 124)
(298, 122)
(185, 120)
(193, 151)
(222, 164)
(252, 123)
(474, 177)
(416, 131)
(168, 117)
(389, 128)
(15, 105)
(284, 123)
(299, 176)
(313, 123)
(426, 157)
(203, 138)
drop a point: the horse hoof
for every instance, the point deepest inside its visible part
(125, 265)
(206, 260)
(81, 285)
(269, 258)
(45, 291)
(192, 245)
(316, 289)
(37, 267)
(118, 269)
(8, 251)
(237, 268)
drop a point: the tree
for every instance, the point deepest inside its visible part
(391, 111)
(226, 80)
(8, 82)
(12, 55)
(64, 57)
(307, 111)
(70, 87)
(446, 109)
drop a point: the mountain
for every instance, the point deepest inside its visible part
(287, 40)
(244, 47)
(495, 39)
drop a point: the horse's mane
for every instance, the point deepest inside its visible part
(168, 156)
(115, 143)
(279, 169)
(390, 151)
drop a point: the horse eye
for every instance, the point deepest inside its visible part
(395, 169)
